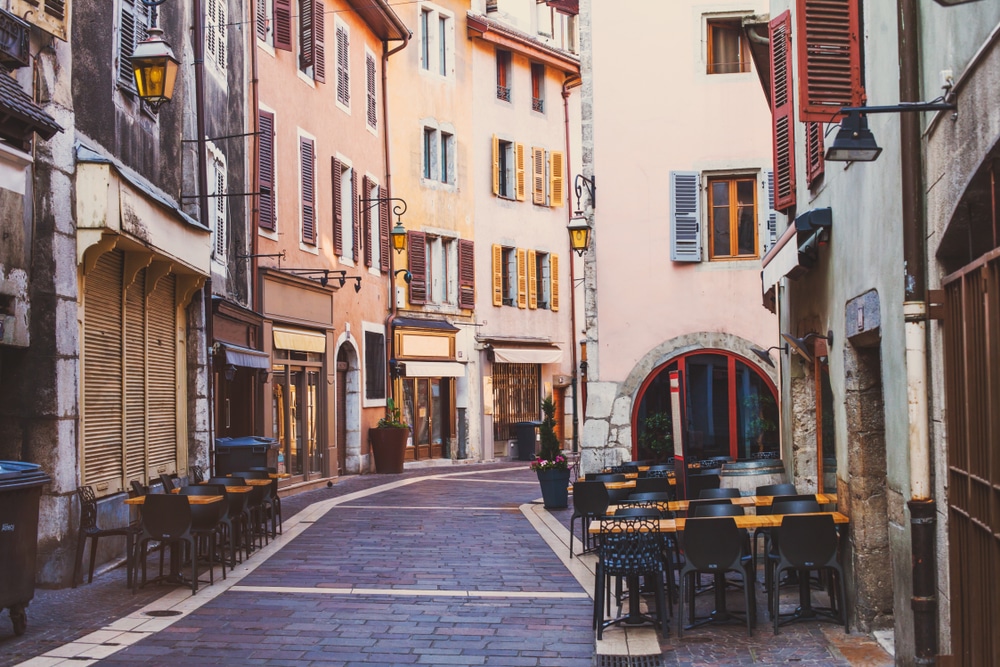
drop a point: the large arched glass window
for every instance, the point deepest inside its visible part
(729, 408)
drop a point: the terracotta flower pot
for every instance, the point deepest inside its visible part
(388, 448)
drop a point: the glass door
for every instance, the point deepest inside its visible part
(297, 396)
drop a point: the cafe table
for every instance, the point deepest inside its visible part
(741, 501)
(175, 576)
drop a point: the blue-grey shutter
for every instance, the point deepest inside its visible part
(772, 215)
(685, 220)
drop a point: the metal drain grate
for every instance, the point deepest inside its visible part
(628, 660)
(161, 613)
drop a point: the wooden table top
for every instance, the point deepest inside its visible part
(747, 522)
(280, 475)
(259, 482)
(230, 489)
(192, 500)
(742, 501)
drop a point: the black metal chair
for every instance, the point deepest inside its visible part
(90, 530)
(698, 483)
(240, 515)
(209, 523)
(166, 519)
(272, 503)
(590, 501)
(625, 468)
(781, 505)
(653, 485)
(808, 543)
(630, 549)
(138, 488)
(719, 493)
(714, 546)
(168, 483)
(614, 495)
(784, 489)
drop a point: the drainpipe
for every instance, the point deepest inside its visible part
(571, 82)
(921, 504)
(255, 304)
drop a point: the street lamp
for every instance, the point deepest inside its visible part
(397, 236)
(855, 142)
(154, 64)
(579, 233)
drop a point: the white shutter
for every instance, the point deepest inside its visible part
(220, 226)
(685, 221)
(772, 215)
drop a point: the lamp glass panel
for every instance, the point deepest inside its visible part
(578, 238)
(746, 224)
(720, 217)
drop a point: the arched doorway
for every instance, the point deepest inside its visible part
(729, 408)
(348, 407)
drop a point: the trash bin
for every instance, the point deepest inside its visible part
(526, 440)
(20, 489)
(241, 454)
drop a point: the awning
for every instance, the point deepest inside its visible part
(245, 357)
(781, 260)
(540, 354)
(299, 340)
(434, 369)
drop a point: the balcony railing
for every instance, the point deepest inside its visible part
(503, 93)
(537, 105)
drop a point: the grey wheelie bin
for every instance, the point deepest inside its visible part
(20, 489)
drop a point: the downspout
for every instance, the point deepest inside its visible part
(571, 82)
(199, 114)
(921, 504)
(254, 160)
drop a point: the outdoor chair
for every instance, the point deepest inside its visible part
(803, 505)
(90, 530)
(168, 483)
(138, 488)
(240, 514)
(784, 489)
(719, 493)
(614, 495)
(654, 485)
(209, 523)
(166, 519)
(590, 501)
(697, 483)
(272, 503)
(625, 468)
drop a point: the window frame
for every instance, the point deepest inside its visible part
(508, 275)
(504, 61)
(138, 13)
(538, 87)
(733, 206)
(506, 169)
(543, 282)
(730, 25)
(375, 365)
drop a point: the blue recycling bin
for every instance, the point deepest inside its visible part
(242, 454)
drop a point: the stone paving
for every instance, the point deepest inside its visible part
(428, 568)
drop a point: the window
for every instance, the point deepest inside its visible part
(371, 87)
(215, 33)
(265, 171)
(218, 205)
(503, 75)
(425, 39)
(505, 156)
(371, 228)
(508, 169)
(441, 270)
(312, 32)
(830, 58)
(442, 45)
(345, 210)
(307, 149)
(133, 21)
(374, 365)
(685, 221)
(732, 217)
(282, 33)
(541, 285)
(52, 20)
(509, 276)
(547, 177)
(436, 40)
(538, 87)
(728, 50)
(438, 156)
(264, 22)
(447, 146)
(343, 66)
(428, 151)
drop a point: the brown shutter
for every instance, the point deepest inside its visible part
(815, 165)
(538, 176)
(260, 19)
(265, 171)
(370, 85)
(283, 25)
(308, 191)
(497, 252)
(343, 65)
(829, 58)
(338, 209)
(416, 248)
(307, 36)
(466, 274)
(383, 228)
(554, 282)
(532, 280)
(782, 111)
(319, 59)
(522, 278)
(161, 360)
(356, 218)
(366, 187)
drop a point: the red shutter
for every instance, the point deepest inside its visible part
(283, 25)
(319, 58)
(356, 218)
(366, 187)
(815, 166)
(308, 191)
(338, 210)
(265, 171)
(383, 228)
(780, 30)
(829, 58)
(416, 246)
(307, 36)
(466, 274)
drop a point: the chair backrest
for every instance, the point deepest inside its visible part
(206, 516)
(808, 541)
(695, 504)
(719, 493)
(254, 474)
(624, 468)
(655, 496)
(610, 477)
(718, 510)
(713, 544)
(203, 490)
(697, 483)
(658, 473)
(88, 508)
(776, 490)
(590, 498)
(138, 489)
(168, 483)
(266, 469)
(650, 512)
(652, 484)
(632, 546)
(166, 516)
(228, 481)
(794, 506)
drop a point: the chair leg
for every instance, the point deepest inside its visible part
(93, 557)
(81, 544)
(661, 605)
(680, 607)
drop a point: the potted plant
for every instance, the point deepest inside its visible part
(657, 436)
(551, 466)
(388, 440)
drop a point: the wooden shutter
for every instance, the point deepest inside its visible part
(103, 359)
(829, 58)
(319, 59)
(356, 218)
(283, 25)
(520, 187)
(265, 171)
(466, 274)
(308, 191)
(307, 36)
(782, 118)
(772, 215)
(211, 39)
(161, 359)
(815, 162)
(416, 249)
(685, 221)
(497, 252)
(366, 219)
(496, 165)
(338, 208)
(261, 19)
(370, 75)
(134, 19)
(532, 280)
(522, 278)
(134, 363)
(538, 176)
(343, 67)
(219, 207)
(383, 228)
(219, 29)
(554, 282)
(556, 169)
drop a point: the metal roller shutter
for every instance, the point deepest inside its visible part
(161, 362)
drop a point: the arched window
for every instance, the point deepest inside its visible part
(729, 408)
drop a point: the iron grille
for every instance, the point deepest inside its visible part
(515, 397)
(503, 93)
(537, 105)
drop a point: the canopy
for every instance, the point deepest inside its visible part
(539, 354)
